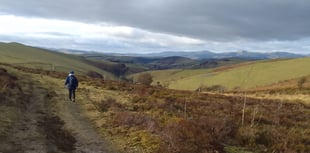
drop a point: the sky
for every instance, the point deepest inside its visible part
(144, 26)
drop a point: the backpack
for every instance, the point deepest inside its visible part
(72, 81)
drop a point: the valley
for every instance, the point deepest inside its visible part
(269, 112)
(138, 118)
(154, 76)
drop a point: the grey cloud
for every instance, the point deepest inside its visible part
(104, 45)
(215, 20)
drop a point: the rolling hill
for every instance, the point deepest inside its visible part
(133, 118)
(138, 63)
(246, 75)
(182, 73)
(113, 116)
(192, 54)
(212, 55)
(109, 66)
(19, 54)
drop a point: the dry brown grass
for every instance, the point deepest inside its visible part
(134, 115)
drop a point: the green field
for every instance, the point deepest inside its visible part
(168, 76)
(18, 54)
(247, 76)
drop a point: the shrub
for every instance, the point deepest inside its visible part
(197, 135)
(301, 82)
(108, 103)
(111, 88)
(145, 79)
(93, 74)
(166, 84)
(149, 141)
(134, 120)
(213, 88)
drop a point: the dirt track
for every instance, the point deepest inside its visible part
(47, 123)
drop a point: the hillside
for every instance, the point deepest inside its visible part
(198, 55)
(139, 63)
(109, 66)
(213, 55)
(36, 117)
(19, 54)
(173, 62)
(112, 116)
(247, 75)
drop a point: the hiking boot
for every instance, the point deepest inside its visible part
(73, 100)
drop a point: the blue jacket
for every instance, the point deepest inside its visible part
(71, 82)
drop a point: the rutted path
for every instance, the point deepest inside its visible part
(88, 140)
(25, 135)
(48, 123)
(32, 131)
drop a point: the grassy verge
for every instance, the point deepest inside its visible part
(249, 75)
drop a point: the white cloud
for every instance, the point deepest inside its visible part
(115, 38)
(167, 40)
(81, 34)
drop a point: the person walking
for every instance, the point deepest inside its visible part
(71, 83)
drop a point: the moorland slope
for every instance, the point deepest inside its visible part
(19, 54)
(244, 75)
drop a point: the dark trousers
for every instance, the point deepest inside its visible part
(72, 94)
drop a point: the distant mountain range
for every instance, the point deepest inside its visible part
(198, 54)
(238, 54)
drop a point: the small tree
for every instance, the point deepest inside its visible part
(166, 84)
(145, 79)
(94, 74)
(301, 82)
